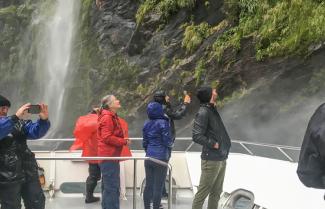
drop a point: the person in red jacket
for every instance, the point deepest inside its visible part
(85, 133)
(111, 140)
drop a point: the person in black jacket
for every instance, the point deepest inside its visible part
(311, 165)
(172, 113)
(210, 132)
(18, 167)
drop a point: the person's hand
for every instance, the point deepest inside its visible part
(96, 109)
(44, 114)
(216, 146)
(22, 111)
(187, 99)
(167, 98)
(128, 142)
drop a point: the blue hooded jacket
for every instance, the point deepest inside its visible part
(157, 140)
(33, 130)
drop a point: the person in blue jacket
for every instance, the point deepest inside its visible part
(18, 166)
(157, 143)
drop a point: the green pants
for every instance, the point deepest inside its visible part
(211, 183)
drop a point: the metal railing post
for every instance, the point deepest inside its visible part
(170, 193)
(134, 184)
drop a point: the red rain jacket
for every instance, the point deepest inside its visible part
(110, 135)
(85, 133)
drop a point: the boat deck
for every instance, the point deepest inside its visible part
(79, 203)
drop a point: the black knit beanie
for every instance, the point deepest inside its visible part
(4, 102)
(160, 96)
(204, 94)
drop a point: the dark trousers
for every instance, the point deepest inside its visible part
(155, 179)
(30, 191)
(93, 178)
(110, 185)
(32, 194)
(10, 196)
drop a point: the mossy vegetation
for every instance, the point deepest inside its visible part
(165, 8)
(199, 71)
(14, 21)
(278, 27)
(10, 10)
(164, 63)
(90, 55)
(120, 73)
(236, 95)
(194, 35)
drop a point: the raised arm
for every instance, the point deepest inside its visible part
(177, 113)
(38, 129)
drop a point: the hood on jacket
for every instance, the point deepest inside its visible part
(155, 111)
(106, 112)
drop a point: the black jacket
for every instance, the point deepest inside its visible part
(209, 129)
(174, 114)
(311, 165)
(17, 162)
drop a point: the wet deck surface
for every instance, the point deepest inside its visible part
(79, 203)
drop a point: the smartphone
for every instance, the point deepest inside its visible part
(34, 109)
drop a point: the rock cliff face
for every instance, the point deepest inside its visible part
(131, 48)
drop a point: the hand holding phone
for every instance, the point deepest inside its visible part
(187, 98)
(22, 110)
(44, 114)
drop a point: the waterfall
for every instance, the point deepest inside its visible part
(54, 57)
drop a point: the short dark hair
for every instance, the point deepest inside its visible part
(204, 94)
(4, 102)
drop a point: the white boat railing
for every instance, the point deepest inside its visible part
(135, 159)
(244, 144)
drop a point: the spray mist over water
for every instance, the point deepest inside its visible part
(54, 57)
(256, 119)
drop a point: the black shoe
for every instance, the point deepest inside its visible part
(92, 199)
(161, 206)
(164, 195)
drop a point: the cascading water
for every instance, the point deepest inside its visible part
(55, 55)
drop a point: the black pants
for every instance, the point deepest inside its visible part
(93, 178)
(10, 196)
(155, 179)
(30, 191)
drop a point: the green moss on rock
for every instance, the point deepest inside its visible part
(278, 27)
(165, 8)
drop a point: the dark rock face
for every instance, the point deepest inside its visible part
(272, 85)
(274, 106)
(114, 25)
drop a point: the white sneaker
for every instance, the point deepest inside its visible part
(164, 201)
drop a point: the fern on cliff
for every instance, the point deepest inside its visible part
(165, 8)
(278, 27)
